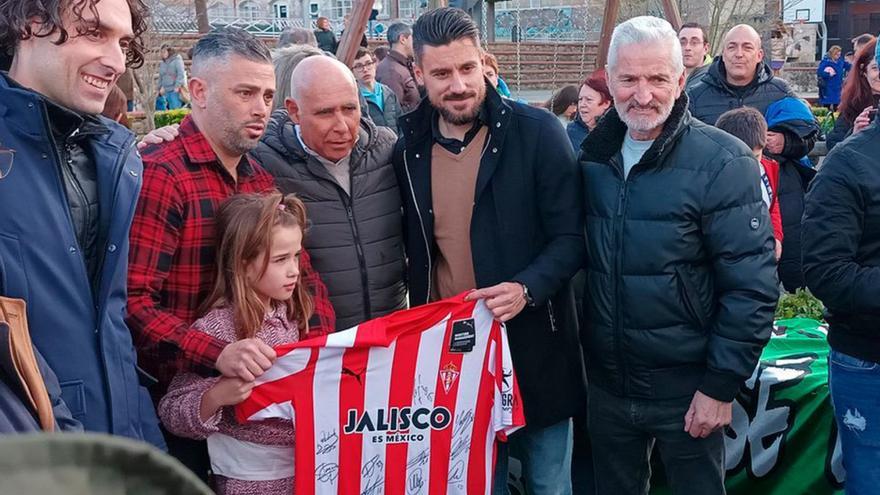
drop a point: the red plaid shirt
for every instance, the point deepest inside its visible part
(171, 263)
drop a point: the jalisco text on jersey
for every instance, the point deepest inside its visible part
(396, 419)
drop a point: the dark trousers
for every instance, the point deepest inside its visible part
(623, 433)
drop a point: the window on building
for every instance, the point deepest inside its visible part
(249, 10)
(340, 8)
(280, 10)
(218, 10)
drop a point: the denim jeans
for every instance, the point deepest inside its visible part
(545, 455)
(855, 385)
(168, 101)
(623, 433)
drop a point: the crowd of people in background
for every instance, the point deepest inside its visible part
(301, 196)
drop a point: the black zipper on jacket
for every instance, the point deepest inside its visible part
(348, 201)
(56, 154)
(618, 269)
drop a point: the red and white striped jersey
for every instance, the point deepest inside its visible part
(410, 403)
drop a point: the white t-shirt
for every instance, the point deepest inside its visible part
(632, 152)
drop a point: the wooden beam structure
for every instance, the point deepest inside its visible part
(351, 38)
(670, 10)
(609, 20)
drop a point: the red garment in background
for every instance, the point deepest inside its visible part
(771, 167)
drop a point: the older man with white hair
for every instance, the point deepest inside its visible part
(322, 148)
(680, 274)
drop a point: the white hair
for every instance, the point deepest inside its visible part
(648, 30)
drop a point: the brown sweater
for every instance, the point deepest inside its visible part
(453, 181)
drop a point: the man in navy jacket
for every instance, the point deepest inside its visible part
(67, 199)
(492, 202)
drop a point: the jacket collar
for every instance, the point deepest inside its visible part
(23, 109)
(717, 76)
(606, 140)
(417, 124)
(282, 138)
(400, 59)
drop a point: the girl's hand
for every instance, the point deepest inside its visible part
(863, 120)
(226, 392)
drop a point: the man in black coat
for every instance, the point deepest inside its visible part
(681, 282)
(491, 202)
(739, 77)
(841, 246)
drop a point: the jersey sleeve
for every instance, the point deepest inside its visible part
(507, 409)
(273, 395)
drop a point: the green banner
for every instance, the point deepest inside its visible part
(782, 439)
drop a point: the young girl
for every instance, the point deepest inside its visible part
(256, 295)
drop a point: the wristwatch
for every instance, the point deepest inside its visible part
(528, 295)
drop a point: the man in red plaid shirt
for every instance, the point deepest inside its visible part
(172, 258)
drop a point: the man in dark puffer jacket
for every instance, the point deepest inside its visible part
(842, 267)
(681, 284)
(339, 164)
(738, 77)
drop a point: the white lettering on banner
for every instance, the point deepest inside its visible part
(761, 422)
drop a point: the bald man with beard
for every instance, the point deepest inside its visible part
(321, 147)
(739, 77)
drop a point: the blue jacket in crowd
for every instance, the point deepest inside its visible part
(82, 336)
(577, 131)
(830, 94)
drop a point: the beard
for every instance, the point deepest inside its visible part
(460, 118)
(235, 139)
(643, 123)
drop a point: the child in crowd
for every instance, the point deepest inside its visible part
(749, 126)
(256, 296)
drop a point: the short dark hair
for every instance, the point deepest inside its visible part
(396, 30)
(17, 16)
(226, 41)
(695, 25)
(745, 123)
(363, 52)
(441, 27)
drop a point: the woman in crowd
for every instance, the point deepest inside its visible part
(172, 79)
(490, 70)
(593, 100)
(564, 103)
(861, 92)
(830, 76)
(792, 132)
(256, 295)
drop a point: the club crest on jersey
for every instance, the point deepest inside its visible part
(448, 375)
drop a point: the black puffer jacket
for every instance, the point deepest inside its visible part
(681, 279)
(712, 95)
(355, 241)
(842, 243)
